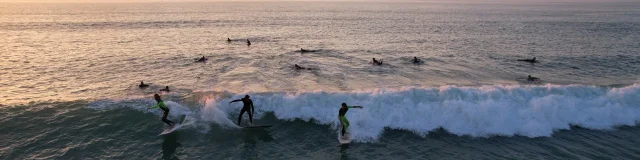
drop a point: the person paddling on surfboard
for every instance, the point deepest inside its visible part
(248, 104)
(343, 120)
(165, 110)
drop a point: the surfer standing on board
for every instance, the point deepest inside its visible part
(343, 120)
(165, 110)
(248, 104)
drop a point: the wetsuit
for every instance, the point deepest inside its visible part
(345, 122)
(165, 112)
(248, 104)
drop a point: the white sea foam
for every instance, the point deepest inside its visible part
(505, 110)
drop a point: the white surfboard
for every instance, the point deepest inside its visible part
(186, 120)
(344, 139)
(169, 130)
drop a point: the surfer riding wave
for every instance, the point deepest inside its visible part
(165, 110)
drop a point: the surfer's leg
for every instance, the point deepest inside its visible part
(165, 120)
(240, 116)
(345, 125)
(250, 117)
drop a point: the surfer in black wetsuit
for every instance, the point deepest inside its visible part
(300, 68)
(529, 60)
(228, 40)
(203, 59)
(166, 89)
(142, 85)
(165, 110)
(343, 120)
(248, 42)
(529, 78)
(416, 60)
(248, 104)
(376, 62)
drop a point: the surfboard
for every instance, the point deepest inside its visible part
(346, 139)
(169, 130)
(186, 120)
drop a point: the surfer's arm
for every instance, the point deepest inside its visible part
(354, 107)
(161, 104)
(236, 100)
(152, 107)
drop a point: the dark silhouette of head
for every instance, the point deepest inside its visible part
(344, 105)
(157, 97)
(246, 96)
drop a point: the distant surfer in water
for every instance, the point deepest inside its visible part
(203, 59)
(166, 89)
(300, 68)
(416, 60)
(306, 50)
(529, 60)
(529, 78)
(165, 110)
(248, 42)
(248, 104)
(343, 120)
(376, 62)
(142, 85)
(228, 40)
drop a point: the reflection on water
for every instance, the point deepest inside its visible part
(251, 136)
(170, 145)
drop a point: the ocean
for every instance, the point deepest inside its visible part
(70, 74)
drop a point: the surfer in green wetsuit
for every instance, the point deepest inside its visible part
(343, 120)
(165, 110)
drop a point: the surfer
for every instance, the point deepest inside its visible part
(529, 60)
(416, 60)
(248, 104)
(376, 62)
(529, 78)
(228, 40)
(165, 110)
(142, 85)
(248, 42)
(298, 67)
(343, 120)
(306, 50)
(166, 89)
(203, 59)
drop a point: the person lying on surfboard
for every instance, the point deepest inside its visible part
(343, 120)
(248, 104)
(165, 110)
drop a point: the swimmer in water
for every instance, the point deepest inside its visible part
(142, 85)
(166, 89)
